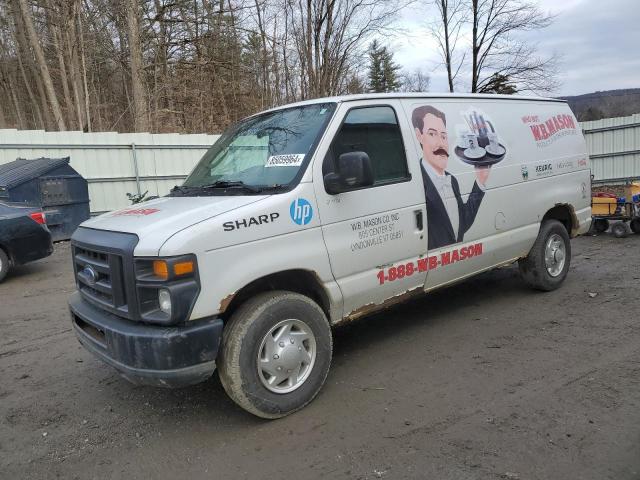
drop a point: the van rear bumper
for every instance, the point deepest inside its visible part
(146, 354)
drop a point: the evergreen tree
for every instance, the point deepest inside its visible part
(390, 69)
(375, 67)
(383, 71)
(499, 83)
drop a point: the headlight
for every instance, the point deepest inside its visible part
(167, 288)
(164, 300)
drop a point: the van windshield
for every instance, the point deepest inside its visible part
(262, 153)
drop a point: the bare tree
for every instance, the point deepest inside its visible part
(42, 63)
(140, 112)
(496, 50)
(415, 81)
(330, 34)
(177, 65)
(453, 14)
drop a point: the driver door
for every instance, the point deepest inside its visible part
(375, 235)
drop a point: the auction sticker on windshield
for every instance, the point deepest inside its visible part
(286, 160)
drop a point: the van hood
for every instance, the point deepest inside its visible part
(163, 217)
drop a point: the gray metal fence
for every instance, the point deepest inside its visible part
(114, 164)
(614, 148)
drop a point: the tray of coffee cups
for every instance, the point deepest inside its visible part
(480, 150)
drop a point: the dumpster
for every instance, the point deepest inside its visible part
(51, 184)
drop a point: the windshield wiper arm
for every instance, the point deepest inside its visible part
(231, 184)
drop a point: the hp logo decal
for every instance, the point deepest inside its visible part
(301, 211)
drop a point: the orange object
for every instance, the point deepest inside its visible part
(603, 206)
(160, 269)
(183, 268)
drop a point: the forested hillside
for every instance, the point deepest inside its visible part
(611, 103)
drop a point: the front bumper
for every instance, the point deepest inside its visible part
(145, 354)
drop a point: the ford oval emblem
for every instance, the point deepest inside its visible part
(90, 274)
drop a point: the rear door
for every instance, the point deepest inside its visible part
(375, 236)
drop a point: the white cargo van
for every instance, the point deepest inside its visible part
(320, 212)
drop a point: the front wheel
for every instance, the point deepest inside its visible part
(547, 264)
(276, 352)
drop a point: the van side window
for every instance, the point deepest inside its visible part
(375, 131)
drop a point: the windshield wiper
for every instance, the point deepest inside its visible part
(231, 184)
(219, 184)
(186, 190)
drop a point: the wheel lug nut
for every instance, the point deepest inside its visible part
(300, 348)
(276, 356)
(279, 368)
(292, 341)
(281, 344)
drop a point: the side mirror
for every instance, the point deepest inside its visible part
(354, 171)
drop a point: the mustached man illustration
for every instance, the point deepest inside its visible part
(448, 216)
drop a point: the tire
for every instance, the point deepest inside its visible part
(600, 225)
(5, 265)
(619, 230)
(635, 225)
(547, 272)
(247, 338)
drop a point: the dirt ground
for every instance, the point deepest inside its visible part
(482, 380)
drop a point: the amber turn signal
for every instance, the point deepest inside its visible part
(183, 268)
(160, 269)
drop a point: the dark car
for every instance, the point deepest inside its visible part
(24, 236)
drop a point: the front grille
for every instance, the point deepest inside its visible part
(99, 277)
(103, 269)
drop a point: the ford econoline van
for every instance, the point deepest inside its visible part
(319, 212)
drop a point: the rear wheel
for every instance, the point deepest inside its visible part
(619, 230)
(4, 265)
(600, 225)
(276, 353)
(547, 264)
(635, 225)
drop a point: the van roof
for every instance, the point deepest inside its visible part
(389, 96)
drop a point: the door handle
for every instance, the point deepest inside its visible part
(419, 220)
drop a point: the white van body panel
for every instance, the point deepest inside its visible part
(534, 176)
(229, 259)
(157, 220)
(239, 239)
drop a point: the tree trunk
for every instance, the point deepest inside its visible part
(87, 112)
(447, 47)
(72, 48)
(25, 58)
(140, 111)
(3, 119)
(34, 103)
(474, 47)
(42, 64)
(8, 83)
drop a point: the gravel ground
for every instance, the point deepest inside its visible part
(482, 380)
